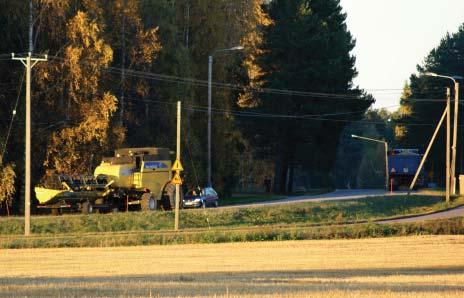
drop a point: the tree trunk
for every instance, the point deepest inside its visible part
(283, 178)
(277, 176)
(290, 178)
(7, 208)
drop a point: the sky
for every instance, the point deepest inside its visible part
(393, 36)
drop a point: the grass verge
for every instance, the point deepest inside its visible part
(307, 213)
(249, 199)
(453, 226)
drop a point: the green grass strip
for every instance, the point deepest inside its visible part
(325, 213)
(453, 226)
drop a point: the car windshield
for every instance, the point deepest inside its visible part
(193, 193)
(211, 192)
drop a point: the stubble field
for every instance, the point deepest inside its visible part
(419, 266)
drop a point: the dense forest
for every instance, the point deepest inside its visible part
(116, 69)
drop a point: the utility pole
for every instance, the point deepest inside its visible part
(176, 224)
(31, 26)
(387, 172)
(455, 138)
(424, 158)
(455, 124)
(29, 63)
(210, 74)
(448, 126)
(123, 62)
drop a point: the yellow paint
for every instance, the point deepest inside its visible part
(127, 176)
(44, 194)
(177, 166)
(121, 174)
(176, 179)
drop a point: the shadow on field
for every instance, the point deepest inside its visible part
(435, 281)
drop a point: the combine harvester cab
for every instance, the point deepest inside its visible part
(134, 179)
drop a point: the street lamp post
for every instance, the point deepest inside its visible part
(387, 174)
(210, 74)
(455, 125)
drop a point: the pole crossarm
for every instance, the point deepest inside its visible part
(29, 55)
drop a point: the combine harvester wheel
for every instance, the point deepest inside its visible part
(87, 208)
(148, 202)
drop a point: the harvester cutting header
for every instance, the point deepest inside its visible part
(134, 179)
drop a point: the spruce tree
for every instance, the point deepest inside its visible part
(423, 102)
(308, 48)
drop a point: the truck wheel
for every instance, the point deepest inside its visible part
(148, 202)
(87, 208)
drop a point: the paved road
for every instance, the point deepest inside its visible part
(344, 194)
(439, 215)
(353, 194)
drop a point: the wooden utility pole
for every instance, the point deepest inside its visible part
(31, 26)
(123, 63)
(448, 137)
(450, 170)
(176, 224)
(29, 63)
(455, 138)
(387, 171)
(446, 113)
(424, 158)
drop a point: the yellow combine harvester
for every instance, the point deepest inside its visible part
(135, 178)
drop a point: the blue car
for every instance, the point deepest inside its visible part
(201, 198)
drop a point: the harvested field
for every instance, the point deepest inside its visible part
(419, 266)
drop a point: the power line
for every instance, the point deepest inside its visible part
(318, 117)
(237, 87)
(13, 114)
(204, 83)
(177, 79)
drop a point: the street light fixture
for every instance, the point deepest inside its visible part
(455, 124)
(387, 174)
(210, 74)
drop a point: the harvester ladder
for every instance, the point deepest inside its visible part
(137, 179)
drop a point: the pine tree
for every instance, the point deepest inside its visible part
(419, 117)
(306, 49)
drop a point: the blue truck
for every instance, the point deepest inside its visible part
(402, 166)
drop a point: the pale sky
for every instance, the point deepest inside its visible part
(393, 36)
